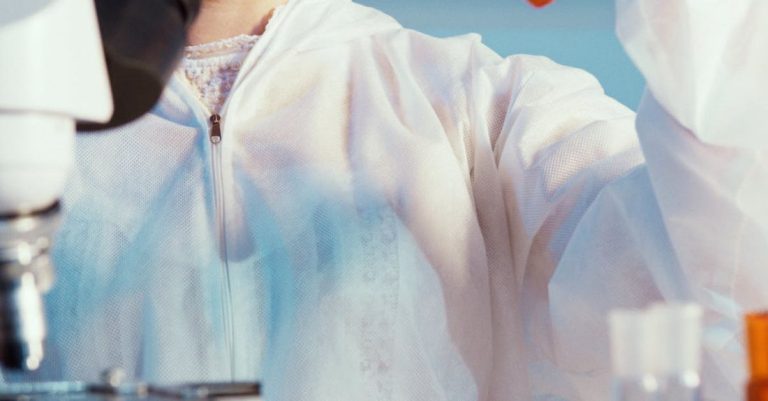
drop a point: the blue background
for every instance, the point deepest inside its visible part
(579, 33)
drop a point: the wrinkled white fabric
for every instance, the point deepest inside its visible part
(704, 61)
(391, 216)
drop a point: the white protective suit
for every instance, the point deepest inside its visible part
(391, 216)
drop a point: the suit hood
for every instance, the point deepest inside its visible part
(303, 25)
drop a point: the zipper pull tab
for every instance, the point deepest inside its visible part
(215, 128)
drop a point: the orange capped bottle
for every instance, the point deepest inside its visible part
(539, 3)
(757, 346)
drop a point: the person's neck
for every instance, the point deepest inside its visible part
(220, 19)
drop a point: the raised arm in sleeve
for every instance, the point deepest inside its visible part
(593, 228)
(687, 225)
(547, 141)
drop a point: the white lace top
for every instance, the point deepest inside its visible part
(212, 67)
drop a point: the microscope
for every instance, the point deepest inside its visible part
(71, 66)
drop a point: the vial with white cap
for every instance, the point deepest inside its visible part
(632, 345)
(677, 328)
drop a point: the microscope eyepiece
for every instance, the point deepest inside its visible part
(143, 42)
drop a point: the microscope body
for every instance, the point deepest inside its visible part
(67, 66)
(53, 73)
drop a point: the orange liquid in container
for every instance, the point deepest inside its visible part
(757, 346)
(539, 3)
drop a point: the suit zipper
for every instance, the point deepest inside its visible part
(220, 210)
(215, 133)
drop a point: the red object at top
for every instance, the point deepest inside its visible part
(539, 3)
